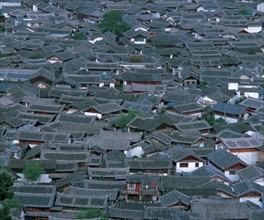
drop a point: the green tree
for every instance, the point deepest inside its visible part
(244, 12)
(37, 56)
(2, 28)
(135, 59)
(5, 213)
(208, 116)
(5, 194)
(5, 183)
(79, 36)
(92, 213)
(240, 99)
(13, 202)
(113, 22)
(32, 170)
(124, 119)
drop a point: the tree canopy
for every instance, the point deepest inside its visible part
(5, 194)
(212, 120)
(5, 183)
(113, 22)
(32, 170)
(92, 213)
(124, 119)
(79, 36)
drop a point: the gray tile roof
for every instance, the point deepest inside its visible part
(108, 143)
(58, 137)
(247, 186)
(219, 209)
(252, 103)
(81, 201)
(193, 126)
(107, 185)
(178, 153)
(167, 213)
(220, 187)
(59, 155)
(70, 179)
(229, 109)
(207, 171)
(173, 198)
(137, 77)
(115, 173)
(28, 117)
(141, 164)
(58, 92)
(251, 173)
(227, 133)
(242, 143)
(180, 97)
(223, 159)
(35, 195)
(107, 108)
(117, 135)
(144, 124)
(187, 108)
(115, 212)
(110, 193)
(47, 108)
(169, 183)
(75, 118)
(137, 107)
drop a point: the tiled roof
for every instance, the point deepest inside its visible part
(174, 197)
(196, 126)
(223, 159)
(241, 142)
(251, 173)
(35, 195)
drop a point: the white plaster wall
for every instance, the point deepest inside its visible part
(253, 30)
(199, 114)
(53, 61)
(98, 115)
(70, 111)
(248, 157)
(10, 4)
(141, 28)
(138, 42)
(223, 195)
(232, 86)
(44, 178)
(252, 199)
(260, 7)
(228, 119)
(96, 39)
(259, 181)
(191, 166)
(231, 177)
(15, 142)
(252, 94)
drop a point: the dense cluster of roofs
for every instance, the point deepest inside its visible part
(164, 122)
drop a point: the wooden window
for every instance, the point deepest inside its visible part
(131, 186)
(196, 164)
(184, 164)
(232, 172)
